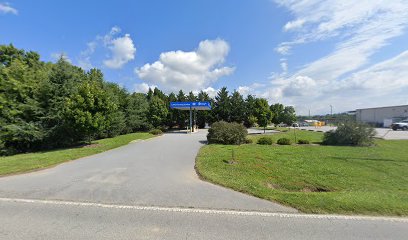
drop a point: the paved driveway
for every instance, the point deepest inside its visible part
(385, 133)
(155, 172)
(105, 197)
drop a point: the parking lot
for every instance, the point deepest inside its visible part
(385, 133)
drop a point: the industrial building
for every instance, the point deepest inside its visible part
(382, 116)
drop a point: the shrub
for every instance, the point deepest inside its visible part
(227, 133)
(265, 141)
(303, 141)
(350, 134)
(248, 140)
(156, 132)
(284, 141)
(17, 138)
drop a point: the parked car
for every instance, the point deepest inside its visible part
(295, 124)
(403, 125)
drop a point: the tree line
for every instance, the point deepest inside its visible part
(46, 105)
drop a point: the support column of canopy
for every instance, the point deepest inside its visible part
(191, 106)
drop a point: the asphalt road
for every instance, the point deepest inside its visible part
(155, 172)
(59, 221)
(149, 190)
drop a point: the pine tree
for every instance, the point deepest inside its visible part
(203, 117)
(137, 113)
(171, 120)
(250, 114)
(181, 116)
(222, 106)
(237, 113)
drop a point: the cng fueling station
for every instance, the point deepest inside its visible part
(193, 107)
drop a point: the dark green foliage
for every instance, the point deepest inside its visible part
(137, 113)
(203, 117)
(350, 134)
(303, 141)
(181, 116)
(249, 141)
(250, 107)
(284, 141)
(171, 119)
(277, 110)
(158, 111)
(156, 131)
(47, 105)
(222, 106)
(18, 138)
(265, 141)
(237, 113)
(289, 115)
(227, 133)
(53, 105)
(282, 114)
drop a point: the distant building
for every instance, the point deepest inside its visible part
(382, 116)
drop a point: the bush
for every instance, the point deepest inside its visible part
(248, 140)
(22, 137)
(303, 141)
(350, 134)
(156, 132)
(265, 141)
(227, 133)
(284, 141)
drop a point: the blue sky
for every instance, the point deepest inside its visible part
(305, 53)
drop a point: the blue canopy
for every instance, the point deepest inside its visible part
(190, 105)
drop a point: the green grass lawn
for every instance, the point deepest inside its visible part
(283, 129)
(33, 161)
(314, 178)
(292, 134)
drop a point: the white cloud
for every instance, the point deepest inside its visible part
(211, 91)
(122, 50)
(284, 65)
(382, 84)
(294, 24)
(84, 60)
(363, 27)
(189, 71)
(300, 86)
(143, 87)
(283, 49)
(244, 90)
(359, 29)
(6, 8)
(386, 77)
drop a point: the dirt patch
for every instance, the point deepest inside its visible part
(230, 162)
(272, 186)
(315, 189)
(307, 189)
(94, 145)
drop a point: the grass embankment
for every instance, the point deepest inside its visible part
(315, 179)
(33, 161)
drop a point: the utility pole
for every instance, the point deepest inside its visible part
(191, 120)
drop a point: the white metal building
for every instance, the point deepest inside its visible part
(382, 115)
